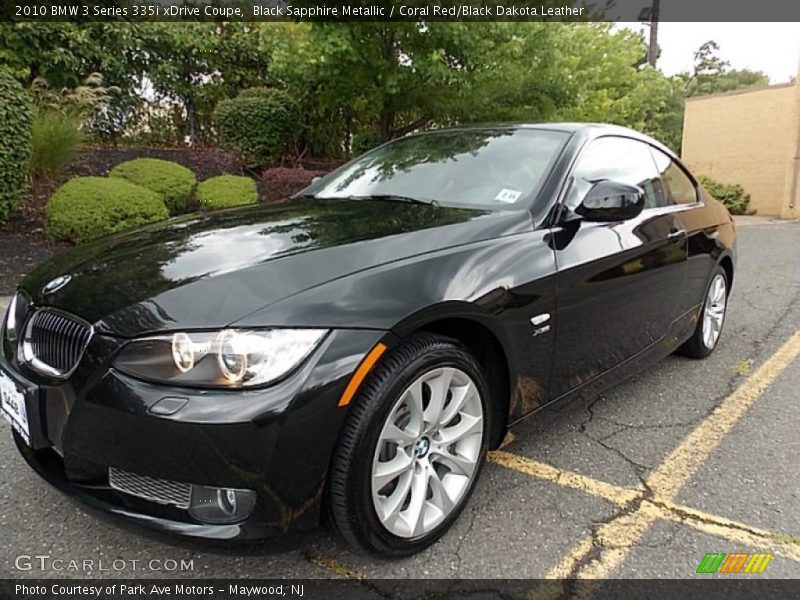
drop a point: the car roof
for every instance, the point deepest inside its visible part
(567, 127)
(593, 129)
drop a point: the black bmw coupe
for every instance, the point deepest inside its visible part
(359, 348)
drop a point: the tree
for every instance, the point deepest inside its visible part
(199, 64)
(65, 54)
(381, 80)
(184, 76)
(607, 79)
(711, 74)
(396, 73)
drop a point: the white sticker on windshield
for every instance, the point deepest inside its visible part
(508, 196)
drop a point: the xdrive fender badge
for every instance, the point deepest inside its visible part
(56, 284)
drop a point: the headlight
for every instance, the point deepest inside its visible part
(231, 358)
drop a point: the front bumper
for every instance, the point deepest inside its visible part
(276, 441)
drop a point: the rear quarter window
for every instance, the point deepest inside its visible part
(678, 186)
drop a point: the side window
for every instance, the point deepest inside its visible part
(677, 185)
(619, 159)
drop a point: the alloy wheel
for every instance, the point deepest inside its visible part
(427, 453)
(714, 311)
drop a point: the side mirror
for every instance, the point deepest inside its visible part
(315, 179)
(609, 200)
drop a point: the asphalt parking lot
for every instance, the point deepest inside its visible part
(687, 458)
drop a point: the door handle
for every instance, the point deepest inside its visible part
(676, 233)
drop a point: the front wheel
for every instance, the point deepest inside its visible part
(412, 448)
(712, 317)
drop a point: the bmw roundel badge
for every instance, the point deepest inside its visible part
(56, 284)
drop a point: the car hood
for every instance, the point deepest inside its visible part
(209, 270)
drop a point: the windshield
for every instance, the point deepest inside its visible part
(472, 168)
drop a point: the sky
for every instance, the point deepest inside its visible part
(773, 48)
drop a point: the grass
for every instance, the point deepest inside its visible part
(55, 137)
(743, 366)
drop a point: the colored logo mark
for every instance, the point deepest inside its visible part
(737, 562)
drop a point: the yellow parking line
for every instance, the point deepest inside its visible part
(613, 493)
(617, 537)
(570, 562)
(718, 526)
(684, 461)
(733, 531)
(335, 567)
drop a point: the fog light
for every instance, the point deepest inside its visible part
(227, 501)
(221, 506)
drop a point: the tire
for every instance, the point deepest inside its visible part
(401, 392)
(701, 344)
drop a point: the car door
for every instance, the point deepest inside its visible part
(616, 281)
(681, 191)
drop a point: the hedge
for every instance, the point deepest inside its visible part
(282, 182)
(16, 117)
(85, 208)
(731, 195)
(172, 182)
(260, 124)
(226, 191)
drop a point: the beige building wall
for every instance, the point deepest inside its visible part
(749, 137)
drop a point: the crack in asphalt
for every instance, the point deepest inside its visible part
(647, 493)
(638, 468)
(691, 516)
(461, 541)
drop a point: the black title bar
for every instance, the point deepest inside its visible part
(400, 10)
(699, 588)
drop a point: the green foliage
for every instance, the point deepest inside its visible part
(55, 137)
(85, 208)
(15, 148)
(81, 102)
(348, 78)
(260, 125)
(712, 75)
(172, 182)
(731, 195)
(65, 54)
(366, 140)
(200, 64)
(226, 191)
(393, 78)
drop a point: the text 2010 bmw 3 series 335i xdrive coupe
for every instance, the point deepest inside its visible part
(355, 351)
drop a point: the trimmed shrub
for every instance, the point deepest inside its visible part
(55, 138)
(85, 208)
(260, 124)
(16, 117)
(226, 191)
(259, 92)
(731, 195)
(282, 182)
(172, 182)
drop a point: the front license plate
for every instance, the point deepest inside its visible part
(12, 403)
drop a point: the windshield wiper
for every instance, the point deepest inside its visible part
(302, 195)
(397, 198)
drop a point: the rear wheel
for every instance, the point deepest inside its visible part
(712, 318)
(412, 448)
